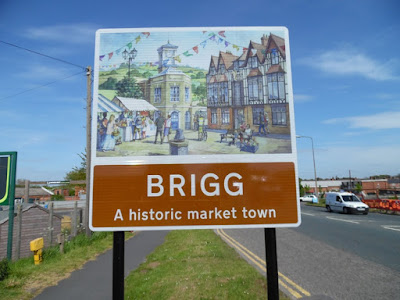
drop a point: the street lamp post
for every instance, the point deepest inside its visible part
(313, 156)
(129, 56)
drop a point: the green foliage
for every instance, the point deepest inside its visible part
(147, 74)
(57, 197)
(113, 72)
(195, 264)
(109, 84)
(302, 192)
(4, 269)
(82, 240)
(200, 91)
(78, 173)
(358, 188)
(128, 87)
(200, 75)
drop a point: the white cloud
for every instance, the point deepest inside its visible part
(80, 33)
(385, 120)
(353, 62)
(301, 98)
(387, 96)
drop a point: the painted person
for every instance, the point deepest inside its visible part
(261, 118)
(138, 127)
(159, 128)
(167, 126)
(266, 122)
(103, 129)
(109, 141)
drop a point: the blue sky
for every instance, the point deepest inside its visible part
(345, 69)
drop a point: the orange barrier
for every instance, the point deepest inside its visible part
(383, 204)
(396, 205)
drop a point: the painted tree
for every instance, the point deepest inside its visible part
(128, 88)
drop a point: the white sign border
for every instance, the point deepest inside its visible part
(186, 159)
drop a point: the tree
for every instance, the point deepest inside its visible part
(301, 188)
(307, 189)
(358, 188)
(109, 84)
(128, 88)
(200, 91)
(78, 173)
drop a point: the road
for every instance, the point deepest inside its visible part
(331, 255)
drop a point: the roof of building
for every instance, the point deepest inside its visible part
(279, 42)
(227, 59)
(214, 61)
(275, 69)
(167, 45)
(394, 180)
(20, 192)
(322, 183)
(105, 105)
(170, 70)
(4, 214)
(132, 104)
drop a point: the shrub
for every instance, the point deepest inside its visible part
(4, 269)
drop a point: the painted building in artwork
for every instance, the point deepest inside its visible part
(240, 89)
(170, 90)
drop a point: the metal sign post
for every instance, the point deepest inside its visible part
(8, 169)
(272, 263)
(118, 265)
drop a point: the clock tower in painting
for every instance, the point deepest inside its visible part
(166, 54)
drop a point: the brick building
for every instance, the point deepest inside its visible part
(240, 89)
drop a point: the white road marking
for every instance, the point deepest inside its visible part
(348, 221)
(392, 227)
(303, 213)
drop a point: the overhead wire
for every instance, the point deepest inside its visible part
(45, 55)
(43, 85)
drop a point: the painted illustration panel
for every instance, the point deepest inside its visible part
(196, 91)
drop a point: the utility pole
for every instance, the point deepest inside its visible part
(350, 185)
(88, 145)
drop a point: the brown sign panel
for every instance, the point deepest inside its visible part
(194, 195)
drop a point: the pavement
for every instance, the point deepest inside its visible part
(270, 143)
(94, 280)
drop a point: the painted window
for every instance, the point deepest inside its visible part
(174, 94)
(214, 116)
(276, 86)
(257, 113)
(223, 92)
(175, 120)
(253, 62)
(157, 95)
(255, 88)
(222, 69)
(274, 56)
(187, 94)
(279, 115)
(236, 65)
(237, 93)
(225, 116)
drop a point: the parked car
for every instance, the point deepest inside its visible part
(345, 203)
(309, 198)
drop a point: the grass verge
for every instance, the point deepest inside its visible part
(195, 264)
(26, 280)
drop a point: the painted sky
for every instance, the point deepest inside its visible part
(345, 68)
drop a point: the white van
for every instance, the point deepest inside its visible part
(346, 203)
